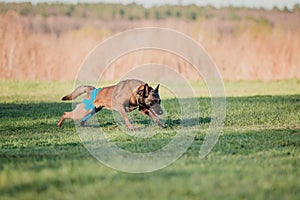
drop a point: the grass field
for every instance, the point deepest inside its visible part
(257, 157)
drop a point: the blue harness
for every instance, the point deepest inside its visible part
(89, 104)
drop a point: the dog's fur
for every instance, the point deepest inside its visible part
(123, 97)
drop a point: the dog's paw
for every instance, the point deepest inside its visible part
(163, 126)
(82, 123)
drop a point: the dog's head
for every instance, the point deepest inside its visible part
(148, 98)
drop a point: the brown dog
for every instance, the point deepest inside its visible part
(123, 97)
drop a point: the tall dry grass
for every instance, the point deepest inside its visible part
(253, 51)
(31, 53)
(243, 46)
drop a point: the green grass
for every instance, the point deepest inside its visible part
(257, 157)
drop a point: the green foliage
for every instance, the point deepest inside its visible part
(286, 9)
(257, 157)
(258, 25)
(26, 9)
(235, 17)
(275, 8)
(131, 11)
(296, 8)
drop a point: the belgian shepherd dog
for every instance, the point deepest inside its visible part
(123, 97)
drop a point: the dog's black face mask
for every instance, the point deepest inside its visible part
(150, 99)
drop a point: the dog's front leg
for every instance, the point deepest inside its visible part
(126, 119)
(153, 117)
(129, 109)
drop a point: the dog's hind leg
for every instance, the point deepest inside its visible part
(78, 113)
(63, 117)
(89, 115)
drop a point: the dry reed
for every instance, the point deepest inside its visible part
(53, 48)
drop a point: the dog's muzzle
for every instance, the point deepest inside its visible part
(157, 109)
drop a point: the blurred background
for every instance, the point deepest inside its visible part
(49, 41)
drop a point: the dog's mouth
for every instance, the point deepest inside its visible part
(157, 109)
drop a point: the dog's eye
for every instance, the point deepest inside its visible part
(151, 104)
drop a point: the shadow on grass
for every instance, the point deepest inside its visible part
(187, 122)
(22, 140)
(33, 110)
(235, 143)
(54, 110)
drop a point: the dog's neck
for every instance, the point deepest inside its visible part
(136, 101)
(140, 105)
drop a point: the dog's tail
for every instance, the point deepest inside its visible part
(78, 91)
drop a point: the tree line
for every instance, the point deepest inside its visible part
(112, 11)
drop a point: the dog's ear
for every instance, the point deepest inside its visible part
(156, 89)
(146, 90)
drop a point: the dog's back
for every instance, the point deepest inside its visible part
(113, 96)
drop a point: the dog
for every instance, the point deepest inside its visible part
(125, 96)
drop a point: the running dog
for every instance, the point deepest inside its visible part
(123, 97)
